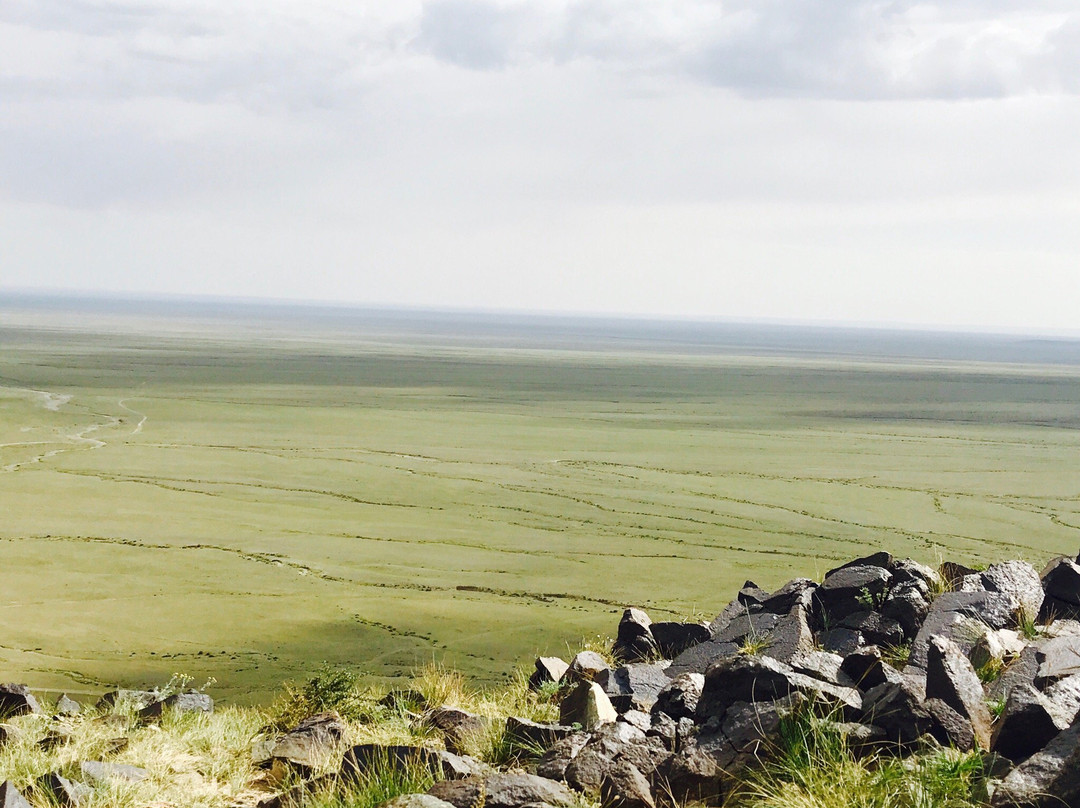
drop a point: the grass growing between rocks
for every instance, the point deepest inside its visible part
(813, 766)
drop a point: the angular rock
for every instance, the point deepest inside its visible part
(908, 571)
(674, 638)
(553, 762)
(634, 686)
(852, 589)
(99, 772)
(680, 698)
(67, 706)
(634, 641)
(841, 641)
(637, 719)
(584, 667)
(791, 636)
(1050, 777)
(1018, 580)
(748, 626)
(794, 592)
(10, 796)
(299, 795)
(952, 615)
(862, 739)
(822, 665)
(364, 757)
(950, 728)
(751, 595)
(995, 646)
(1058, 658)
(17, 700)
(730, 612)
(1061, 580)
(63, 792)
(698, 658)
(1029, 722)
(548, 669)
(624, 786)
(587, 706)
(951, 678)
(875, 628)
(908, 605)
(457, 727)
(760, 678)
(503, 791)
(898, 709)
(952, 574)
(416, 801)
(534, 735)
(1065, 695)
(867, 669)
(312, 742)
(1021, 671)
(879, 559)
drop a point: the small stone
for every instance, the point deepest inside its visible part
(67, 706)
(1018, 580)
(10, 796)
(528, 733)
(416, 801)
(852, 589)
(503, 791)
(624, 786)
(680, 698)
(634, 686)
(98, 772)
(65, 793)
(458, 727)
(585, 667)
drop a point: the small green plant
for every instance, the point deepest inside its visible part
(869, 599)
(991, 670)
(382, 780)
(754, 645)
(330, 689)
(1026, 625)
(996, 707)
(896, 655)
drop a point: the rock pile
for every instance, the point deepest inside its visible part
(895, 654)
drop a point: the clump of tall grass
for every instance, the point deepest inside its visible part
(811, 765)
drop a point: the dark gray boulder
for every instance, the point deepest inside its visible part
(794, 592)
(624, 786)
(1029, 722)
(458, 728)
(908, 605)
(898, 709)
(365, 757)
(951, 678)
(875, 628)
(907, 571)
(879, 559)
(503, 791)
(531, 734)
(791, 636)
(634, 686)
(553, 762)
(1050, 777)
(760, 678)
(750, 626)
(841, 641)
(190, 702)
(851, 589)
(952, 574)
(300, 795)
(17, 700)
(674, 638)
(822, 665)
(1021, 671)
(548, 669)
(950, 728)
(751, 595)
(679, 699)
(311, 743)
(698, 658)
(1061, 581)
(634, 641)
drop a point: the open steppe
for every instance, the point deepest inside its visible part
(247, 492)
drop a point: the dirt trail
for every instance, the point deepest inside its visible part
(78, 439)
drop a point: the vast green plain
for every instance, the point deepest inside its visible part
(248, 492)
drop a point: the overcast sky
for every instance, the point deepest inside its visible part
(839, 160)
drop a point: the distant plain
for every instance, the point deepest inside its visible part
(247, 492)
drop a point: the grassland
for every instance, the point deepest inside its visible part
(246, 497)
